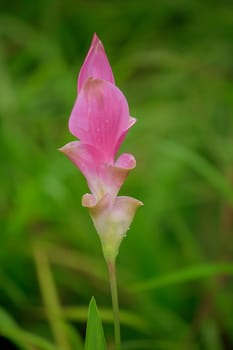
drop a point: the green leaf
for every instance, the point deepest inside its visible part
(94, 335)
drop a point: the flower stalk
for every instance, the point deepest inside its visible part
(115, 303)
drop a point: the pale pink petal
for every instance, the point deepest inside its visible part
(100, 116)
(123, 213)
(112, 211)
(112, 218)
(96, 64)
(100, 211)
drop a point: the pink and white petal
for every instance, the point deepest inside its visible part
(123, 213)
(100, 212)
(88, 160)
(113, 213)
(96, 64)
(112, 218)
(100, 116)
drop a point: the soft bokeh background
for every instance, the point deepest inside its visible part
(173, 60)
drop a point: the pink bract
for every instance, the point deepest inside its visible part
(100, 117)
(101, 177)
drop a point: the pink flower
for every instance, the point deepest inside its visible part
(100, 119)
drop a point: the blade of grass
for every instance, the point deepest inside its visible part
(201, 166)
(75, 260)
(50, 297)
(155, 344)
(79, 313)
(185, 275)
(22, 338)
(26, 338)
(12, 290)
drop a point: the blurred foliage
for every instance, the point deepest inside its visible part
(173, 60)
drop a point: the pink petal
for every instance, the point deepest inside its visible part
(126, 161)
(114, 176)
(132, 121)
(102, 178)
(100, 116)
(89, 161)
(96, 64)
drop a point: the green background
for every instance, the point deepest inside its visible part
(173, 61)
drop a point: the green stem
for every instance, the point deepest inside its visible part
(115, 305)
